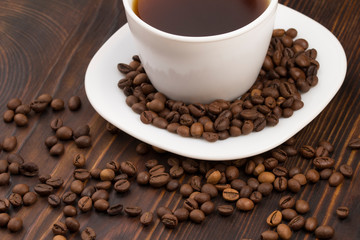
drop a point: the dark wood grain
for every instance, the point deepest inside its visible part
(45, 47)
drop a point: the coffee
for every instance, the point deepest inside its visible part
(199, 18)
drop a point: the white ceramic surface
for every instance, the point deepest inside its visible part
(203, 69)
(101, 88)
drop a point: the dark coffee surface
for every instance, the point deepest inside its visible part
(200, 17)
(43, 50)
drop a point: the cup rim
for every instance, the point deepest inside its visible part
(267, 13)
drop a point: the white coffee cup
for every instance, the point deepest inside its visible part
(203, 69)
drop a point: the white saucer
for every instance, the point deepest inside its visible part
(101, 88)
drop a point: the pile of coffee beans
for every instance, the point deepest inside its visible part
(289, 69)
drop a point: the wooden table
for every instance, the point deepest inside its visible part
(45, 47)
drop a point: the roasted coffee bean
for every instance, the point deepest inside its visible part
(342, 212)
(56, 124)
(82, 174)
(59, 228)
(294, 185)
(133, 211)
(270, 163)
(13, 103)
(74, 103)
(297, 223)
(302, 206)
(85, 204)
(256, 197)
(39, 105)
(274, 218)
(8, 116)
(105, 185)
(115, 209)
(4, 205)
(29, 198)
(69, 211)
(237, 184)
(244, 204)
(197, 216)
(121, 176)
(54, 200)
(287, 202)
(159, 180)
(269, 235)
(83, 142)
(161, 211)
(77, 186)
(101, 205)
(122, 186)
(4, 219)
(69, 197)
(265, 188)
(293, 171)
(95, 173)
(72, 224)
(225, 210)
(209, 189)
(115, 166)
(9, 143)
(311, 224)
(284, 231)
(15, 199)
(128, 168)
(21, 189)
(202, 198)
(64, 133)
(146, 218)
(324, 232)
(57, 104)
(43, 189)
(176, 171)
(107, 174)
(230, 195)
(143, 178)
(14, 168)
(111, 128)
(43, 178)
(172, 185)
(51, 141)
(279, 155)
(169, 220)
(266, 177)
(4, 178)
(15, 224)
(326, 173)
(182, 214)
(336, 179)
(88, 191)
(88, 234)
(190, 204)
(20, 120)
(321, 152)
(354, 143)
(312, 176)
(157, 169)
(100, 194)
(323, 162)
(300, 178)
(57, 149)
(288, 213)
(307, 151)
(346, 170)
(245, 191)
(280, 184)
(79, 160)
(55, 182)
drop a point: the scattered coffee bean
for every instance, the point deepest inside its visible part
(74, 103)
(311, 224)
(336, 179)
(297, 223)
(15, 224)
(4, 204)
(169, 220)
(324, 232)
(274, 218)
(21, 189)
(69, 211)
(4, 219)
(284, 231)
(57, 104)
(29, 198)
(8, 116)
(172, 185)
(57, 149)
(288, 214)
(79, 160)
(302, 206)
(85, 204)
(16, 200)
(59, 228)
(51, 141)
(88, 234)
(9, 143)
(69, 198)
(146, 218)
(54, 200)
(13, 103)
(133, 211)
(4, 178)
(72, 224)
(326, 173)
(354, 143)
(56, 124)
(346, 170)
(182, 214)
(20, 120)
(269, 235)
(43, 189)
(342, 212)
(64, 133)
(244, 204)
(101, 205)
(115, 209)
(287, 202)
